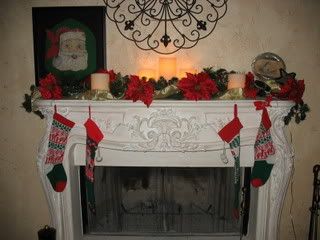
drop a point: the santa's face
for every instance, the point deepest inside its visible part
(72, 55)
(73, 46)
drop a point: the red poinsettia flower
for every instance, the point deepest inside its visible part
(249, 90)
(49, 88)
(197, 86)
(292, 90)
(139, 90)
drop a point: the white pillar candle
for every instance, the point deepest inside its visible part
(100, 81)
(236, 80)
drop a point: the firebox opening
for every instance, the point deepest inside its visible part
(160, 201)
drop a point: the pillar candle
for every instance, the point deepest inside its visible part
(167, 67)
(148, 73)
(100, 81)
(236, 80)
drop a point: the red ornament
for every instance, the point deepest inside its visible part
(49, 88)
(139, 90)
(197, 86)
(249, 90)
(292, 90)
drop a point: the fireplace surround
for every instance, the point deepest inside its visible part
(168, 134)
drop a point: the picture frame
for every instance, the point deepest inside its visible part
(69, 42)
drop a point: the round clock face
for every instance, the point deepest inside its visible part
(267, 66)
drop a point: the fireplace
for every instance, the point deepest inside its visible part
(161, 171)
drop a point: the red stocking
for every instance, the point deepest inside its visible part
(94, 136)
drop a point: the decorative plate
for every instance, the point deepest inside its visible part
(267, 66)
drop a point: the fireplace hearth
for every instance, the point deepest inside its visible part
(160, 171)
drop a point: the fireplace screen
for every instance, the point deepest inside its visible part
(161, 201)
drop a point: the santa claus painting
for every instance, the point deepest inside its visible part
(72, 54)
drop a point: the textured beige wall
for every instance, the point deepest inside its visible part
(288, 27)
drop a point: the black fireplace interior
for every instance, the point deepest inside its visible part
(160, 201)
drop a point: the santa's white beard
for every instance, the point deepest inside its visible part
(71, 61)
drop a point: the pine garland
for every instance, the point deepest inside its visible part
(119, 86)
(290, 89)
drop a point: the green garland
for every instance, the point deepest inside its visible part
(168, 89)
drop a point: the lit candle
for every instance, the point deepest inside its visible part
(148, 73)
(167, 67)
(100, 81)
(236, 80)
(183, 72)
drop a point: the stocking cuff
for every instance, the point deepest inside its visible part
(229, 131)
(61, 119)
(93, 131)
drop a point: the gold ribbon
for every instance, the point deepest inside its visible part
(166, 92)
(96, 95)
(275, 87)
(233, 94)
(35, 95)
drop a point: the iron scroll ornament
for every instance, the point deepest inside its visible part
(165, 26)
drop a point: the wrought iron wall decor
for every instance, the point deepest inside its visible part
(165, 26)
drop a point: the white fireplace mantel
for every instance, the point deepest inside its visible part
(171, 134)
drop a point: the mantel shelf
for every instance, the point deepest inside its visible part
(156, 103)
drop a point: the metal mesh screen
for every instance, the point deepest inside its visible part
(178, 201)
